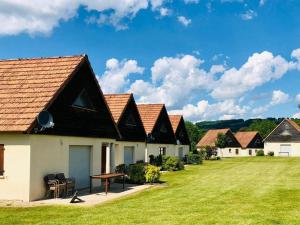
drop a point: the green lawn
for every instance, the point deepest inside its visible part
(232, 191)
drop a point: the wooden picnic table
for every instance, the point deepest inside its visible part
(106, 177)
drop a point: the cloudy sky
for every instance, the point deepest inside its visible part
(206, 59)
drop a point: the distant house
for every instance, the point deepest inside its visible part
(284, 140)
(182, 138)
(160, 136)
(251, 142)
(233, 146)
(131, 146)
(82, 138)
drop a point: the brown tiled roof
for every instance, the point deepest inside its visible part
(294, 124)
(117, 104)
(175, 120)
(28, 85)
(245, 137)
(210, 137)
(149, 114)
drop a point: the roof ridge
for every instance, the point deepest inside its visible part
(47, 57)
(117, 94)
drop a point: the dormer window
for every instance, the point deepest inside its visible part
(83, 101)
(130, 120)
(163, 129)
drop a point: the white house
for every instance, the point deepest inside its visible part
(232, 149)
(160, 136)
(182, 138)
(284, 140)
(250, 141)
(131, 146)
(82, 138)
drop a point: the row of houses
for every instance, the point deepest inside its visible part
(284, 140)
(92, 132)
(245, 143)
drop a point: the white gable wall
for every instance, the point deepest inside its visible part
(14, 185)
(276, 148)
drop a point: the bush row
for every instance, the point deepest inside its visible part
(140, 173)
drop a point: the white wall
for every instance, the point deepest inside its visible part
(225, 152)
(275, 147)
(139, 151)
(14, 185)
(153, 149)
(186, 149)
(50, 154)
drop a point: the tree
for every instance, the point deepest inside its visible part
(221, 141)
(264, 127)
(194, 134)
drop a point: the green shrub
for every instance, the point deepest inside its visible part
(156, 160)
(194, 158)
(260, 153)
(152, 174)
(270, 153)
(172, 163)
(136, 173)
(122, 168)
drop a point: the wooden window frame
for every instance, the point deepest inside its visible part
(237, 151)
(162, 150)
(2, 149)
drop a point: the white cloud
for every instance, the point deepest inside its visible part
(37, 16)
(184, 21)
(295, 55)
(279, 97)
(296, 116)
(164, 11)
(205, 111)
(117, 73)
(248, 15)
(258, 70)
(175, 81)
(191, 1)
(262, 2)
(298, 98)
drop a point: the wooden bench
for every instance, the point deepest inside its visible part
(106, 177)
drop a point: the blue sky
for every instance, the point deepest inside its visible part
(206, 59)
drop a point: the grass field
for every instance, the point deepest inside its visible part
(231, 191)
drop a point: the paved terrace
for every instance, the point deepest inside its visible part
(116, 191)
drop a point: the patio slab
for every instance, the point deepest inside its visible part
(89, 199)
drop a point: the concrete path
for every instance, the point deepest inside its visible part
(116, 191)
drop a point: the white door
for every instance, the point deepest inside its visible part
(79, 165)
(128, 155)
(285, 150)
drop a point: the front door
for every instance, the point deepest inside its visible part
(103, 159)
(128, 155)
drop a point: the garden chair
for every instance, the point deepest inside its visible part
(66, 184)
(51, 185)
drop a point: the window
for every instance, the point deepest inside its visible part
(250, 152)
(229, 140)
(130, 121)
(162, 150)
(257, 141)
(236, 151)
(1, 159)
(83, 101)
(229, 150)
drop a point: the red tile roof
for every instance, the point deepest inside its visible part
(245, 137)
(210, 137)
(117, 104)
(149, 114)
(28, 85)
(294, 124)
(175, 120)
